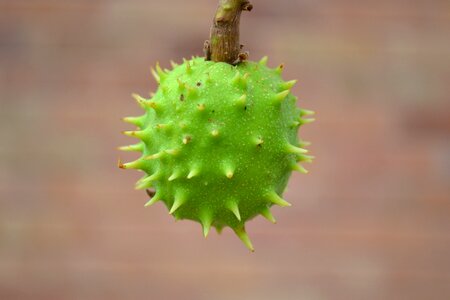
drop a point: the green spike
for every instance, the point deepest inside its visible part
(275, 199)
(299, 168)
(236, 78)
(140, 100)
(263, 61)
(172, 152)
(288, 85)
(179, 200)
(279, 69)
(281, 96)
(244, 80)
(303, 144)
(157, 155)
(240, 232)
(155, 176)
(242, 101)
(153, 105)
(152, 201)
(295, 124)
(307, 121)
(215, 133)
(229, 170)
(194, 172)
(234, 208)
(306, 112)
(187, 139)
(155, 75)
(181, 85)
(188, 66)
(241, 81)
(208, 78)
(137, 121)
(133, 148)
(305, 158)
(137, 164)
(176, 174)
(266, 213)
(295, 150)
(173, 64)
(201, 107)
(206, 220)
(140, 134)
(257, 141)
(162, 75)
(143, 185)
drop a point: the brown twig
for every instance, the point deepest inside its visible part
(223, 45)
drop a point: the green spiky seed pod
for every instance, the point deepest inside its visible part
(218, 142)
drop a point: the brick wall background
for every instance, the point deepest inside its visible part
(371, 220)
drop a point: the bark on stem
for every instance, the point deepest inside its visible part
(224, 45)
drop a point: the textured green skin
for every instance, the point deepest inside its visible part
(237, 149)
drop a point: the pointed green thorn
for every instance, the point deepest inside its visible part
(266, 213)
(155, 176)
(176, 174)
(206, 221)
(299, 168)
(137, 165)
(172, 152)
(240, 232)
(279, 69)
(201, 107)
(242, 101)
(234, 208)
(303, 144)
(237, 78)
(275, 199)
(295, 150)
(188, 66)
(215, 133)
(152, 201)
(307, 121)
(162, 75)
(281, 96)
(288, 85)
(140, 100)
(173, 64)
(306, 112)
(194, 172)
(187, 139)
(143, 185)
(258, 141)
(263, 61)
(244, 80)
(137, 121)
(133, 148)
(229, 170)
(157, 155)
(155, 75)
(153, 105)
(179, 200)
(181, 85)
(305, 158)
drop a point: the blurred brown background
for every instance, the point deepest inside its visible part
(371, 220)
